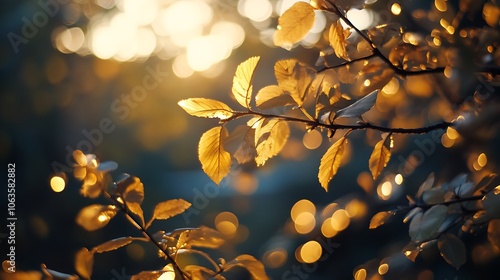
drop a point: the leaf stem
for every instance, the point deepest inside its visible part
(123, 207)
(446, 203)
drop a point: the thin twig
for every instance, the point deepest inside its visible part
(123, 207)
(446, 203)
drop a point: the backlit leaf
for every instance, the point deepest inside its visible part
(201, 273)
(95, 216)
(433, 196)
(411, 251)
(270, 138)
(271, 97)
(337, 37)
(215, 161)
(359, 107)
(330, 162)
(84, 262)
(113, 244)
(377, 81)
(426, 225)
(167, 209)
(242, 87)
(250, 263)
(240, 143)
(131, 189)
(452, 250)
(294, 24)
(380, 156)
(136, 208)
(293, 77)
(380, 218)
(206, 108)
(151, 275)
(200, 237)
(494, 232)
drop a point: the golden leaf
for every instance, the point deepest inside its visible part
(294, 24)
(113, 244)
(136, 208)
(130, 189)
(380, 218)
(167, 209)
(271, 97)
(242, 87)
(330, 162)
(215, 161)
(380, 156)
(240, 143)
(337, 39)
(49, 273)
(293, 77)
(151, 275)
(250, 263)
(452, 250)
(84, 262)
(199, 237)
(206, 108)
(201, 273)
(270, 138)
(95, 216)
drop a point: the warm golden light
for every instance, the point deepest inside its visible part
(256, 10)
(245, 183)
(300, 206)
(440, 5)
(362, 19)
(356, 208)
(57, 183)
(482, 160)
(392, 87)
(396, 9)
(311, 251)
(275, 258)
(340, 220)
(326, 228)
(360, 274)
(227, 223)
(383, 268)
(398, 179)
(312, 140)
(305, 223)
(384, 191)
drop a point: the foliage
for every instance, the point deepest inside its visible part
(126, 196)
(315, 99)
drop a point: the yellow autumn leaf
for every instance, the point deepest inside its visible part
(380, 156)
(84, 263)
(113, 244)
(95, 216)
(293, 77)
(337, 37)
(270, 138)
(215, 160)
(330, 162)
(379, 219)
(167, 209)
(242, 87)
(206, 108)
(294, 24)
(271, 97)
(250, 263)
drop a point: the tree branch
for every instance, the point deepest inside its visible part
(334, 126)
(446, 203)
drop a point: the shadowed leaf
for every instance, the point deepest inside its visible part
(379, 219)
(215, 161)
(330, 162)
(426, 225)
(411, 251)
(95, 216)
(494, 232)
(359, 107)
(241, 144)
(273, 96)
(452, 250)
(294, 24)
(201, 273)
(84, 262)
(255, 267)
(206, 108)
(113, 244)
(337, 37)
(50, 274)
(270, 138)
(242, 88)
(426, 185)
(380, 156)
(293, 77)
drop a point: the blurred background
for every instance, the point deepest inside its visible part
(105, 76)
